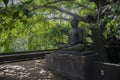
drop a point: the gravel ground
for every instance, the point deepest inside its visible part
(27, 70)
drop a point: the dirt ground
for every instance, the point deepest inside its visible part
(27, 70)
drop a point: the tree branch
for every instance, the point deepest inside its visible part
(49, 3)
(63, 11)
(57, 1)
(59, 18)
(83, 6)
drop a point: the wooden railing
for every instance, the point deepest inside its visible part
(23, 55)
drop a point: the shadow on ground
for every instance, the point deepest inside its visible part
(27, 70)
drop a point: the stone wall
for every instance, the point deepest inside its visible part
(106, 71)
(71, 66)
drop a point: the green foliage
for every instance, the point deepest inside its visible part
(26, 22)
(6, 2)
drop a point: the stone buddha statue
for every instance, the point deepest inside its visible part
(75, 36)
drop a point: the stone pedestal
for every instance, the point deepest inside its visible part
(74, 67)
(106, 71)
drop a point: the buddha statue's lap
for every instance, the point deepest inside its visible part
(76, 47)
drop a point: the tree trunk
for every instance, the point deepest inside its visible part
(98, 44)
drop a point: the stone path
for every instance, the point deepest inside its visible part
(27, 70)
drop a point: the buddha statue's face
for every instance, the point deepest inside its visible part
(74, 23)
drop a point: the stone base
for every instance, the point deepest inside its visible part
(73, 67)
(106, 71)
(82, 67)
